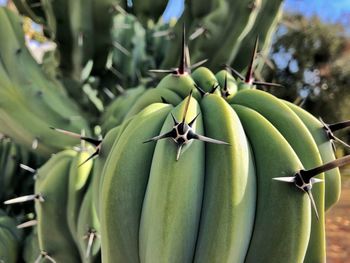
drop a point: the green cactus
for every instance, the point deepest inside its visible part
(185, 163)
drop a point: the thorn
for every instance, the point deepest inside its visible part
(249, 78)
(269, 84)
(164, 100)
(69, 133)
(174, 119)
(94, 142)
(122, 49)
(341, 141)
(199, 31)
(316, 180)
(194, 119)
(178, 152)
(91, 235)
(187, 106)
(308, 174)
(96, 153)
(309, 193)
(339, 125)
(159, 137)
(35, 144)
(183, 67)
(27, 168)
(116, 72)
(234, 72)
(80, 39)
(201, 91)
(120, 89)
(225, 82)
(25, 198)
(187, 60)
(207, 139)
(44, 254)
(170, 71)
(198, 64)
(333, 146)
(27, 224)
(300, 101)
(162, 33)
(109, 93)
(285, 179)
(213, 89)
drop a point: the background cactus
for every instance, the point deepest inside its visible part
(155, 156)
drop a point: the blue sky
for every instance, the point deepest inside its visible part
(328, 10)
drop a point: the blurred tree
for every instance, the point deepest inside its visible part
(311, 59)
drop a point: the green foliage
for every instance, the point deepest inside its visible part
(309, 57)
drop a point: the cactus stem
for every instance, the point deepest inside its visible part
(27, 224)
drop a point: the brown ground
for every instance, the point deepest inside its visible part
(338, 226)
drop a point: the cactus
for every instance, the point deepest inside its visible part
(186, 163)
